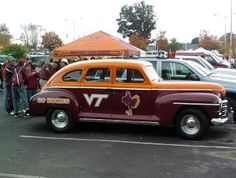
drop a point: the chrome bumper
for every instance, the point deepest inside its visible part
(224, 114)
(219, 121)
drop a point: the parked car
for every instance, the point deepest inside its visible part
(2, 57)
(207, 65)
(174, 69)
(128, 91)
(209, 56)
(37, 60)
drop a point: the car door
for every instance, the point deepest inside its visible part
(131, 98)
(95, 93)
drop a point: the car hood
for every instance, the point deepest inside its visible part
(228, 84)
(223, 76)
(225, 71)
(190, 86)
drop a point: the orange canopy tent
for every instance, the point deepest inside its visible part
(97, 44)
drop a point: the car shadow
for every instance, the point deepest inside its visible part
(117, 131)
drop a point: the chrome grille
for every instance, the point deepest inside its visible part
(224, 108)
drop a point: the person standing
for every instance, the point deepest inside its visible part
(7, 72)
(47, 71)
(32, 82)
(19, 94)
(1, 80)
(63, 62)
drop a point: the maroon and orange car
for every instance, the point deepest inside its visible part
(128, 91)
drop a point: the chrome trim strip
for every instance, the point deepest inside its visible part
(120, 121)
(198, 104)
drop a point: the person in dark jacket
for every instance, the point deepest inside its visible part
(47, 71)
(7, 72)
(19, 93)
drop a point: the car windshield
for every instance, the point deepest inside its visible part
(217, 58)
(151, 73)
(209, 66)
(203, 71)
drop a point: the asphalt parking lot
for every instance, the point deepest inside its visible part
(29, 149)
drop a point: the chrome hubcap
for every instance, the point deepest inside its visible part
(59, 119)
(190, 124)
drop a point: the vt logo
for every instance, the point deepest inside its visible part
(97, 97)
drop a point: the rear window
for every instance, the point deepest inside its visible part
(98, 75)
(124, 75)
(73, 76)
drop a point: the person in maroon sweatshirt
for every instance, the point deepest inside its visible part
(32, 82)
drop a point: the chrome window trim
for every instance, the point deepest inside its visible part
(197, 104)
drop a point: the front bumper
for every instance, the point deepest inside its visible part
(219, 121)
(224, 113)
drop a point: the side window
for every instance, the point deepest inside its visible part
(180, 72)
(209, 59)
(124, 75)
(73, 76)
(181, 69)
(175, 71)
(98, 75)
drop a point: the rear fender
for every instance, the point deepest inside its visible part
(60, 99)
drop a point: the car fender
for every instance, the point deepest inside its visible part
(168, 105)
(49, 99)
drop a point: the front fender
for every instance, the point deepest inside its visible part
(47, 99)
(168, 105)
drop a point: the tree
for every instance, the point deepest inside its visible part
(162, 41)
(140, 43)
(50, 41)
(15, 50)
(195, 40)
(137, 18)
(208, 42)
(173, 46)
(31, 35)
(224, 44)
(5, 36)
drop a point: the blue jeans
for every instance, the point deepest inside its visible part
(4, 95)
(30, 93)
(7, 97)
(19, 95)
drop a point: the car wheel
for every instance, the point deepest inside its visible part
(59, 120)
(232, 107)
(192, 124)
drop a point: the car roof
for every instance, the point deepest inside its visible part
(169, 59)
(110, 62)
(186, 56)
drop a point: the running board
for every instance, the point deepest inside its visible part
(119, 121)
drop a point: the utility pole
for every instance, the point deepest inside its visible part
(225, 35)
(231, 30)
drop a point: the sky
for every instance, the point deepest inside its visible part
(73, 19)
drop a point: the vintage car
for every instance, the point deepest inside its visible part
(128, 91)
(212, 58)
